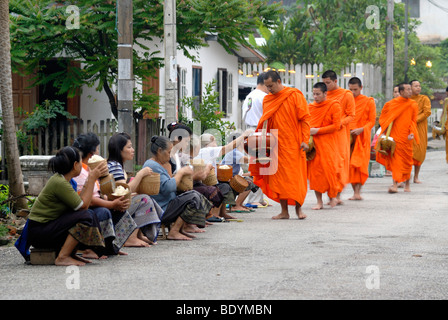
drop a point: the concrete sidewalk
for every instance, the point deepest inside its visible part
(388, 246)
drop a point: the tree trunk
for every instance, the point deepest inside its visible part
(16, 186)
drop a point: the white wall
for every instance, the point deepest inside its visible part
(434, 26)
(95, 105)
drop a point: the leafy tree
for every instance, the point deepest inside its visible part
(39, 31)
(15, 179)
(338, 32)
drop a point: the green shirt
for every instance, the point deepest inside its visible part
(55, 199)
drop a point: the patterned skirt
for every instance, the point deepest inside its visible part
(116, 228)
(147, 214)
(190, 206)
(82, 225)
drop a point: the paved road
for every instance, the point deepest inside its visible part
(388, 246)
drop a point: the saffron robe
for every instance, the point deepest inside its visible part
(424, 111)
(365, 116)
(325, 170)
(288, 120)
(347, 101)
(403, 113)
(445, 106)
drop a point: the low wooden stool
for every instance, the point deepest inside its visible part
(42, 256)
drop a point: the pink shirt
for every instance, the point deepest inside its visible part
(81, 179)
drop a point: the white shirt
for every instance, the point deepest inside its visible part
(209, 155)
(254, 113)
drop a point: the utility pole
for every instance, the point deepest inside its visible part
(389, 51)
(406, 63)
(170, 46)
(125, 70)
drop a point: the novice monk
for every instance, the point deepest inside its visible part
(347, 101)
(285, 181)
(424, 111)
(402, 111)
(324, 171)
(360, 130)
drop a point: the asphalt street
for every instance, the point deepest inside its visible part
(387, 246)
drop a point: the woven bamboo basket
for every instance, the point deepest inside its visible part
(107, 184)
(224, 174)
(386, 144)
(127, 195)
(238, 183)
(186, 183)
(149, 185)
(93, 165)
(311, 153)
(211, 179)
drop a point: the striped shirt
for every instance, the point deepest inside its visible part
(116, 170)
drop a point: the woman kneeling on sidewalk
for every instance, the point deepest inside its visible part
(59, 218)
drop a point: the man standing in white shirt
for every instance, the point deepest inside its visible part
(253, 104)
(252, 112)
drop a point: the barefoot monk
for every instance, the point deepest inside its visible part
(285, 110)
(360, 129)
(325, 169)
(402, 113)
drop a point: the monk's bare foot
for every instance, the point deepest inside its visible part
(318, 206)
(300, 214)
(400, 185)
(393, 189)
(407, 189)
(417, 181)
(334, 202)
(68, 261)
(356, 197)
(175, 235)
(283, 215)
(122, 253)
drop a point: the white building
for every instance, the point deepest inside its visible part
(433, 15)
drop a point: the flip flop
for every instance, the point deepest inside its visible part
(215, 219)
(250, 205)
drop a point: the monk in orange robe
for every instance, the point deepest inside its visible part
(360, 129)
(347, 101)
(402, 111)
(285, 110)
(325, 169)
(424, 111)
(445, 106)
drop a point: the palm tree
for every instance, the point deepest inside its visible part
(16, 186)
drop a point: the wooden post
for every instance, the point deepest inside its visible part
(125, 74)
(389, 51)
(170, 45)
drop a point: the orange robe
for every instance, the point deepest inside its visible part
(403, 113)
(325, 170)
(286, 111)
(347, 101)
(424, 111)
(365, 116)
(445, 106)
